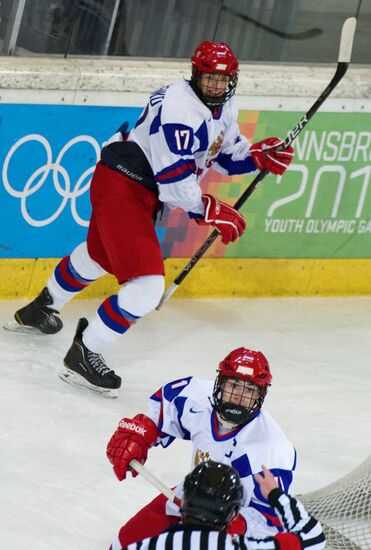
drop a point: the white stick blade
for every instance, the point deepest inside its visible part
(346, 40)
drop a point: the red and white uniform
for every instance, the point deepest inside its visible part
(181, 409)
(161, 161)
(182, 139)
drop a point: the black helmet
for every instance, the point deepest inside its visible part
(212, 494)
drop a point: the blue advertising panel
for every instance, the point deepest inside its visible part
(47, 157)
(320, 210)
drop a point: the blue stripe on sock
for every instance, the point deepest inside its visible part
(109, 322)
(62, 282)
(72, 271)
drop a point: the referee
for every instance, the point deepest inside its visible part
(212, 499)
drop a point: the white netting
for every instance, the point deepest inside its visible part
(344, 509)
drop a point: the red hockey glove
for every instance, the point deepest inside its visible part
(228, 221)
(132, 439)
(274, 161)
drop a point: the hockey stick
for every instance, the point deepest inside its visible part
(303, 35)
(153, 480)
(345, 50)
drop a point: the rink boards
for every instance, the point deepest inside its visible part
(309, 233)
(221, 277)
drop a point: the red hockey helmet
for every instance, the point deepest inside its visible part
(247, 365)
(214, 58)
(238, 403)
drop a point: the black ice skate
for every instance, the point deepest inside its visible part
(38, 317)
(85, 368)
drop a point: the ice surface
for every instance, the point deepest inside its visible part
(58, 490)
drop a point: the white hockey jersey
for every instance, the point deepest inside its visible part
(182, 409)
(181, 138)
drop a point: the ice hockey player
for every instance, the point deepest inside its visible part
(212, 497)
(226, 423)
(185, 129)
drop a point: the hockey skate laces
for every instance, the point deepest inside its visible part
(98, 363)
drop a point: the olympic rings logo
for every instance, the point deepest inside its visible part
(61, 178)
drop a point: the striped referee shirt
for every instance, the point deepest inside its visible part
(187, 537)
(302, 531)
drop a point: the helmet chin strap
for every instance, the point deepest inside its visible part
(233, 415)
(212, 102)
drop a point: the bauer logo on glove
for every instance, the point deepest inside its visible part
(266, 155)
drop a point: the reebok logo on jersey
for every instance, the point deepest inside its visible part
(132, 427)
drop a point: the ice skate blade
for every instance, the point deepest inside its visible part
(13, 326)
(71, 377)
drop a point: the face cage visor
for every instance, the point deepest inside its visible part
(236, 400)
(213, 101)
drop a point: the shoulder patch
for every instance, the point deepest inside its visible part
(179, 384)
(171, 390)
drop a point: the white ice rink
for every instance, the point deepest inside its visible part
(58, 490)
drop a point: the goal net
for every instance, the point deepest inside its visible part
(344, 509)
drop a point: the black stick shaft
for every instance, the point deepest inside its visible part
(292, 135)
(345, 51)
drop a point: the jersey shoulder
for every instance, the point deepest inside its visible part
(189, 387)
(271, 425)
(182, 106)
(229, 114)
(266, 435)
(272, 431)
